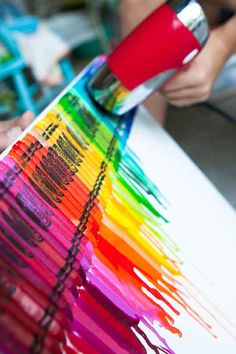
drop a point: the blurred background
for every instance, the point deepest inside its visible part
(44, 44)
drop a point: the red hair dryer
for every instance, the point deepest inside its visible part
(161, 45)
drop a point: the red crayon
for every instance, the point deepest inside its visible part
(20, 289)
(43, 252)
(56, 229)
(25, 331)
(33, 270)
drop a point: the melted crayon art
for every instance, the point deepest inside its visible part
(85, 263)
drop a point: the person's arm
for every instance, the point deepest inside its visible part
(227, 32)
(133, 12)
(10, 130)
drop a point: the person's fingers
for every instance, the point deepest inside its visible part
(26, 119)
(179, 82)
(185, 98)
(186, 79)
(179, 85)
(186, 102)
(181, 94)
(189, 94)
(10, 130)
(8, 124)
(22, 121)
(8, 137)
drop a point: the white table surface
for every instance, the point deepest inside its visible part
(204, 226)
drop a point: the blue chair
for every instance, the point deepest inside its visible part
(9, 10)
(14, 69)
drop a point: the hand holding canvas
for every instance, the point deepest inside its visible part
(10, 130)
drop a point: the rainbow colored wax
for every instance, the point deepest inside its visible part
(84, 258)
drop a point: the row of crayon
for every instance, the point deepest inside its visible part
(49, 210)
(85, 262)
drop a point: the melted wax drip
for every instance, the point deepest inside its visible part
(84, 256)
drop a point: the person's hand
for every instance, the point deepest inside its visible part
(10, 130)
(132, 12)
(194, 84)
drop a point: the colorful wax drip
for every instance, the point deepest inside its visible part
(84, 259)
